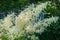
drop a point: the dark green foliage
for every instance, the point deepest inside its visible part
(4, 37)
(54, 9)
(7, 5)
(52, 32)
(21, 38)
(12, 4)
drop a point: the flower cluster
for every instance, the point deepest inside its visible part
(14, 26)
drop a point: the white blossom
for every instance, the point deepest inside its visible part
(14, 26)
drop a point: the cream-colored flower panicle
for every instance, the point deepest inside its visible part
(14, 26)
(29, 14)
(40, 26)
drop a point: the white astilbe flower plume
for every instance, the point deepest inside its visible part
(40, 26)
(14, 26)
(28, 14)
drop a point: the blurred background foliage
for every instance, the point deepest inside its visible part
(7, 5)
(16, 5)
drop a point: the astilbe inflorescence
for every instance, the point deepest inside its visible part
(25, 23)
